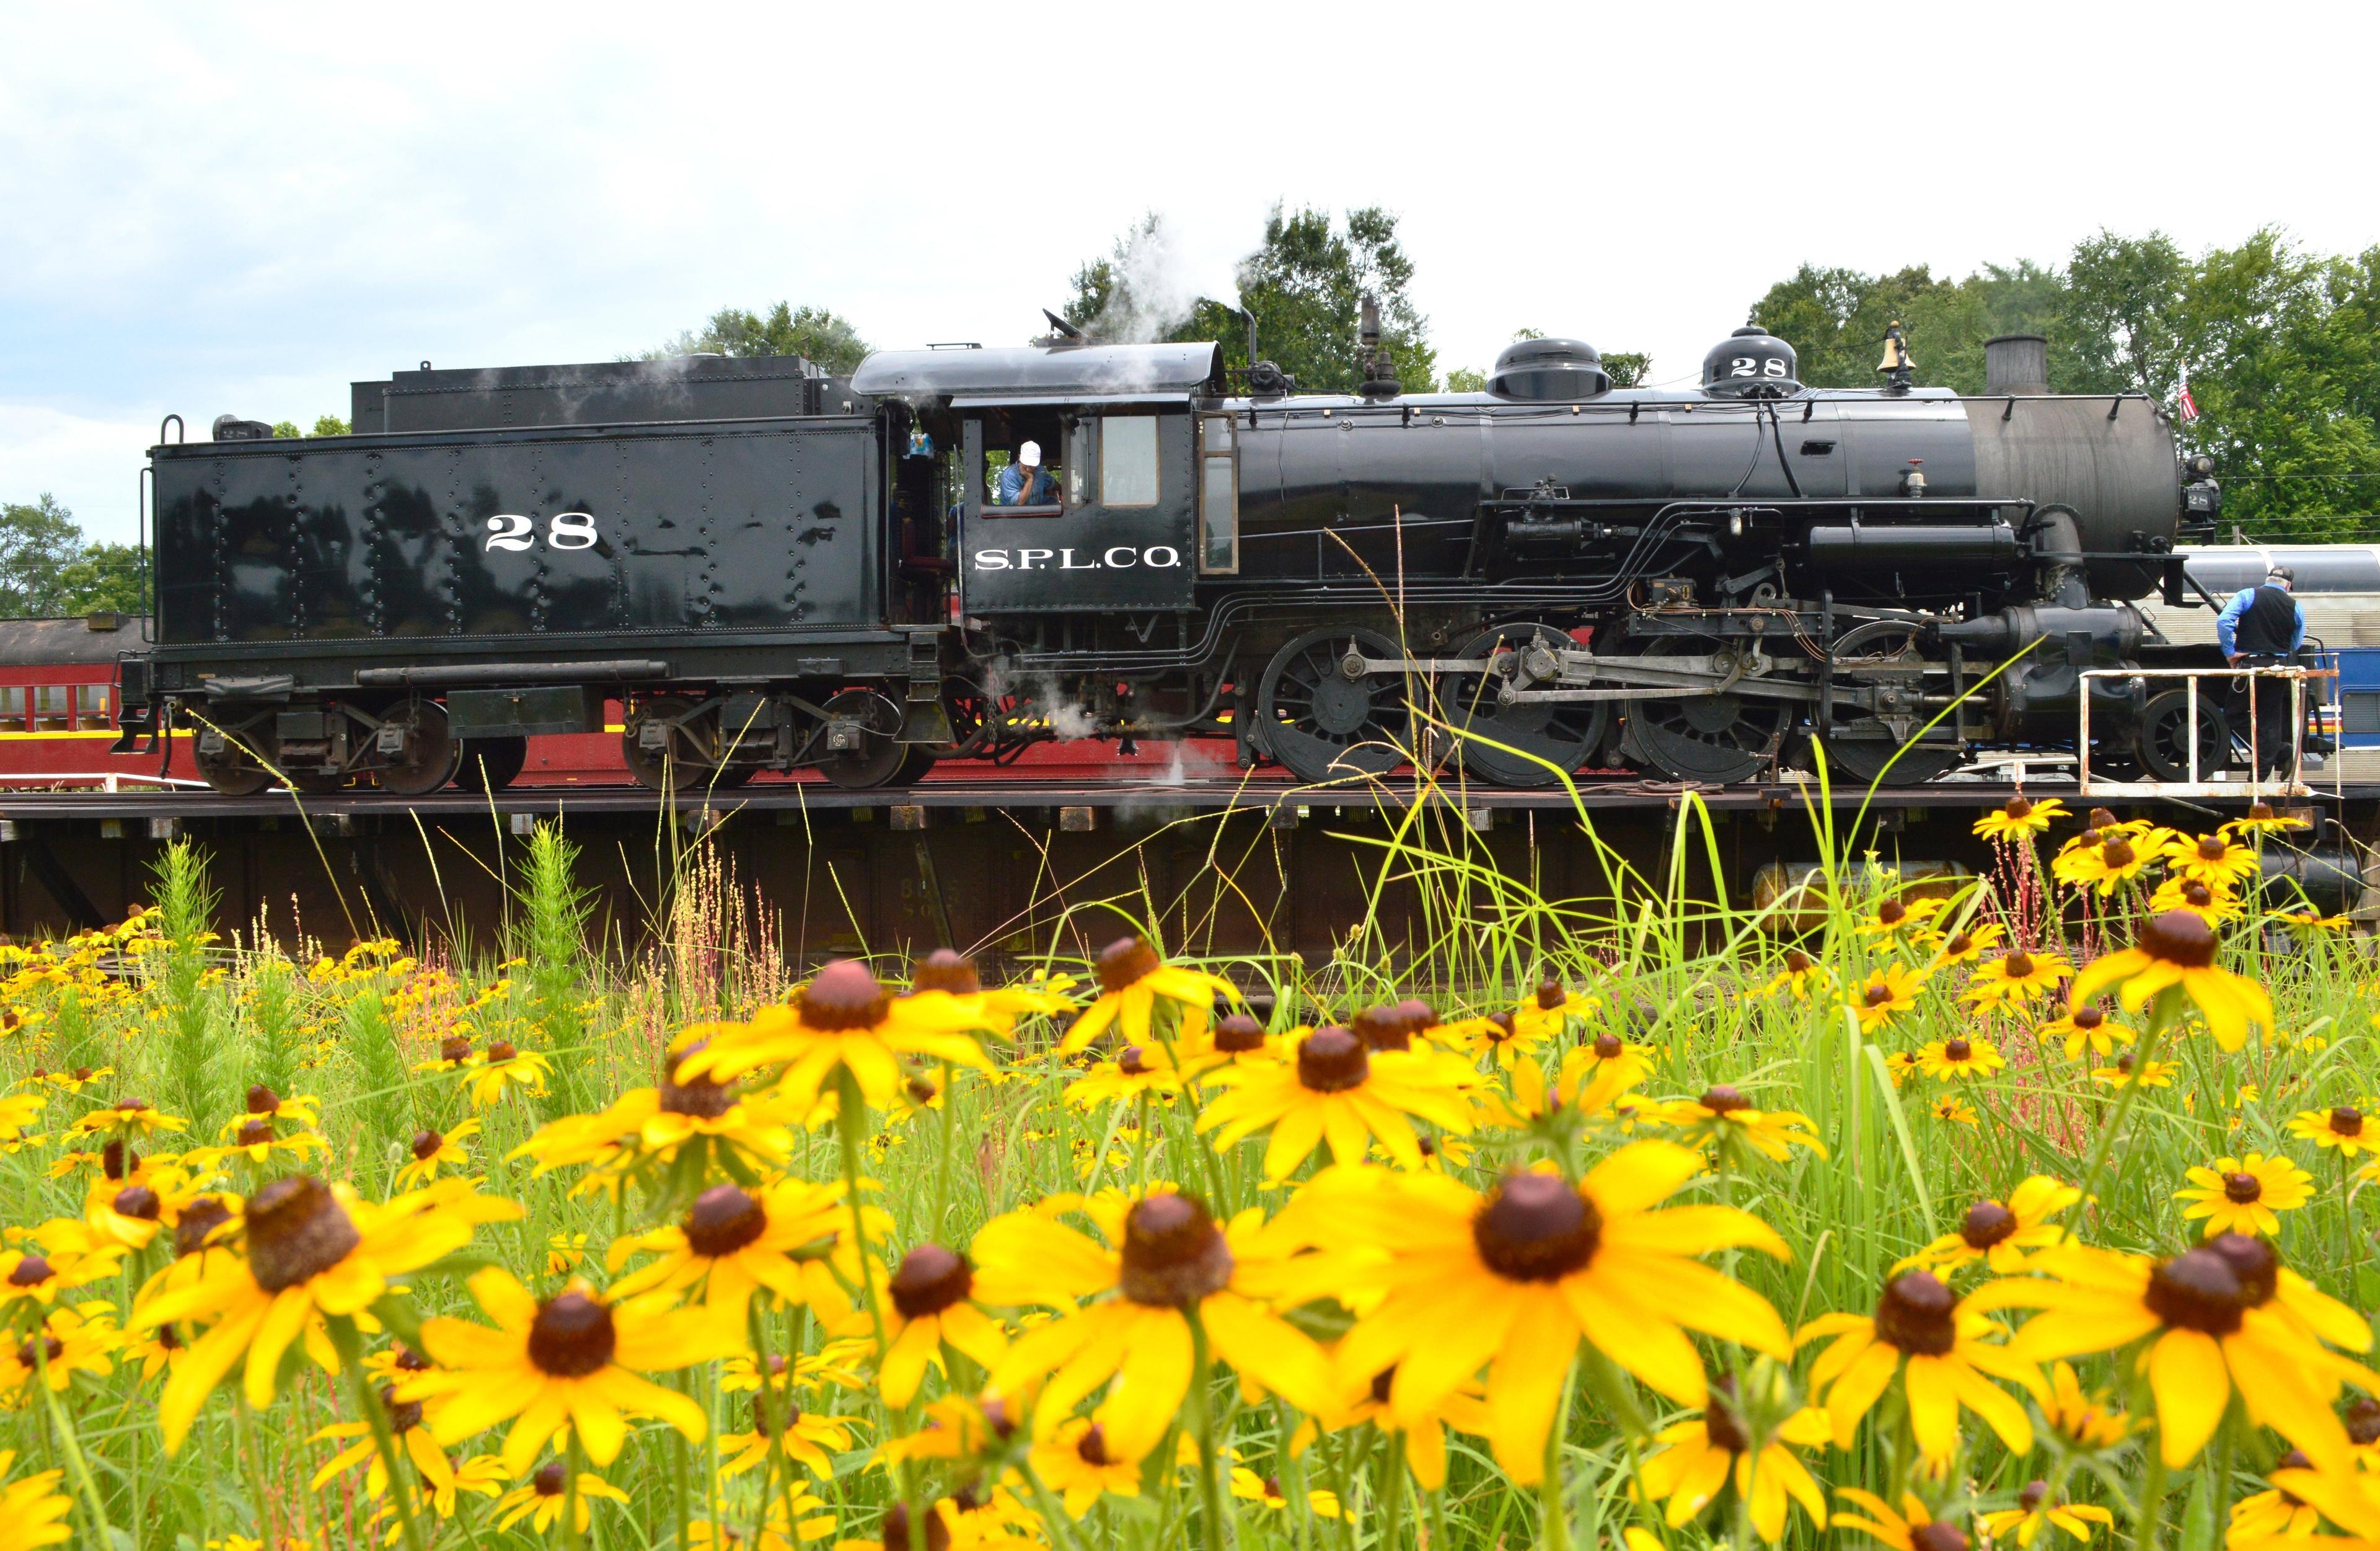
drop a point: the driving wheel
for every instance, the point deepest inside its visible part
(1861, 747)
(429, 757)
(1719, 737)
(677, 764)
(1559, 734)
(239, 768)
(1319, 722)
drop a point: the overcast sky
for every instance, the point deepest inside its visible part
(231, 208)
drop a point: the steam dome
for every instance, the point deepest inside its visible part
(1551, 371)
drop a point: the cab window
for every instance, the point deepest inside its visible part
(1049, 482)
(1128, 460)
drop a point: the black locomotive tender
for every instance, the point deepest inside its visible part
(770, 567)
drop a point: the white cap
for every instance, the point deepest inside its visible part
(1029, 455)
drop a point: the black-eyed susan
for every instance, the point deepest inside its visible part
(126, 1118)
(503, 1068)
(1901, 1066)
(1887, 992)
(2275, 1513)
(1074, 1463)
(2018, 819)
(1585, 1088)
(539, 1500)
(2153, 1074)
(1546, 1011)
(1896, 918)
(2036, 1511)
(1268, 1494)
(1512, 1280)
(744, 1131)
(412, 1440)
(2211, 860)
(70, 1341)
(2260, 819)
(2224, 1316)
(845, 1020)
(312, 1251)
(1133, 980)
(996, 1011)
(1951, 1109)
(17, 1113)
(1799, 975)
(2244, 1194)
(569, 1361)
(2085, 1419)
(2208, 903)
(2000, 1232)
(2342, 1127)
(1725, 1120)
(1135, 1073)
(1334, 1092)
(1941, 1346)
(809, 1437)
(1912, 1529)
(1500, 1036)
(1968, 945)
(2178, 949)
(734, 1242)
(2106, 865)
(1960, 1058)
(930, 1304)
(32, 1511)
(2086, 1027)
(1464, 1409)
(2014, 978)
(1125, 1313)
(1699, 1456)
(433, 1151)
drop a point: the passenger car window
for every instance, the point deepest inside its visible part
(51, 713)
(1128, 460)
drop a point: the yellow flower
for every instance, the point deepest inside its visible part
(806, 1437)
(1999, 1233)
(77, 1340)
(2085, 1421)
(2240, 1195)
(413, 1441)
(1895, 917)
(2225, 1315)
(1723, 1118)
(540, 1499)
(1801, 971)
(1133, 980)
(2155, 1074)
(2019, 819)
(1959, 1059)
(32, 1511)
(2275, 1513)
(1133, 1073)
(1464, 1409)
(2341, 1126)
(312, 1251)
(929, 1305)
(1127, 1311)
(2036, 1511)
(501, 1070)
(571, 1360)
(1073, 1462)
(128, 1118)
(1901, 1534)
(954, 973)
(2260, 819)
(2085, 1026)
(1949, 1107)
(434, 1151)
(2210, 903)
(1515, 1279)
(1938, 1343)
(2178, 949)
(1338, 1091)
(1971, 943)
(1889, 990)
(18, 1111)
(1700, 1455)
(1586, 1087)
(2112, 860)
(843, 1020)
(1546, 1012)
(734, 1242)
(2018, 977)
(1266, 1492)
(2210, 859)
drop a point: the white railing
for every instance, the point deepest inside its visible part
(107, 781)
(2198, 782)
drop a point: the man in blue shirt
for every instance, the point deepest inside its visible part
(2264, 627)
(1025, 483)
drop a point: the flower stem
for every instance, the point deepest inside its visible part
(349, 1344)
(1202, 1420)
(2160, 1015)
(572, 1535)
(943, 1173)
(1549, 1486)
(67, 1438)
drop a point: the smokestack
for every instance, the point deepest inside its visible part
(2016, 363)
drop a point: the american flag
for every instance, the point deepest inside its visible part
(2189, 405)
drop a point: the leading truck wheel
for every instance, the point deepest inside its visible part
(1322, 723)
(490, 765)
(2163, 739)
(1546, 740)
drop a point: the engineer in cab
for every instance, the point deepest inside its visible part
(1025, 483)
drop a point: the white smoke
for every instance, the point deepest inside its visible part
(1159, 278)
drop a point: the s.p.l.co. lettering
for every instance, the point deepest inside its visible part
(1116, 557)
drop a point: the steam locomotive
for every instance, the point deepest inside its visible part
(770, 568)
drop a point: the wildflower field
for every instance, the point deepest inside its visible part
(2021, 1209)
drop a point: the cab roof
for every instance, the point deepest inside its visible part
(1053, 373)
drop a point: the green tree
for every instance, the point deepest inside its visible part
(104, 578)
(328, 426)
(1304, 287)
(37, 541)
(813, 333)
